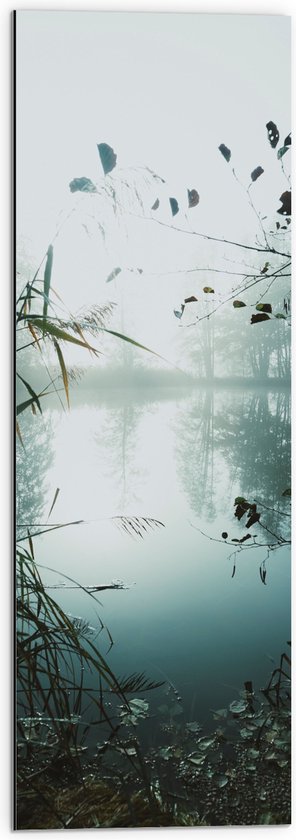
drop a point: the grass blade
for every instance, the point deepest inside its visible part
(63, 369)
(47, 279)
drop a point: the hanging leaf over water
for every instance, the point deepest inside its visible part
(264, 307)
(256, 173)
(208, 290)
(272, 133)
(287, 492)
(225, 152)
(282, 151)
(266, 266)
(82, 185)
(285, 198)
(177, 313)
(288, 140)
(174, 206)
(224, 535)
(260, 317)
(107, 156)
(191, 299)
(253, 518)
(193, 198)
(238, 304)
(155, 206)
(113, 274)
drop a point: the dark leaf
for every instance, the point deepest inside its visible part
(240, 500)
(174, 206)
(35, 398)
(264, 307)
(208, 290)
(224, 535)
(266, 266)
(238, 304)
(82, 185)
(241, 509)
(288, 140)
(280, 315)
(260, 317)
(285, 198)
(273, 134)
(252, 519)
(225, 152)
(107, 156)
(113, 274)
(282, 151)
(177, 313)
(191, 299)
(256, 173)
(277, 225)
(246, 537)
(287, 492)
(233, 571)
(155, 206)
(193, 198)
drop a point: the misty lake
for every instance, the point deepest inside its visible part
(195, 612)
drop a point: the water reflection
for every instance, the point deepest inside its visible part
(247, 436)
(181, 459)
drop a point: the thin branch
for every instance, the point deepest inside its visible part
(269, 250)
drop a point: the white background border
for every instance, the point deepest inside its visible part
(7, 424)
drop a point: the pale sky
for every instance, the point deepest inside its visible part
(164, 90)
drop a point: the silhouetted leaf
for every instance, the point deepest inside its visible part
(107, 156)
(155, 206)
(264, 307)
(280, 315)
(240, 500)
(282, 151)
(225, 152)
(113, 274)
(224, 535)
(238, 304)
(242, 507)
(287, 492)
(246, 537)
(273, 134)
(288, 140)
(193, 198)
(265, 267)
(285, 198)
(208, 290)
(256, 173)
(191, 299)
(35, 398)
(260, 317)
(54, 501)
(174, 206)
(253, 518)
(177, 313)
(82, 185)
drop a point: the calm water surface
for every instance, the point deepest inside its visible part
(182, 458)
